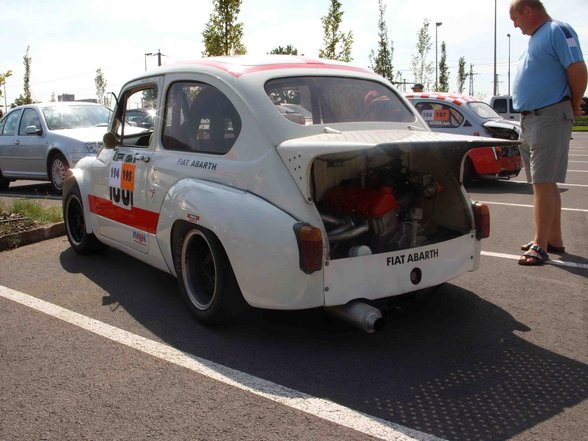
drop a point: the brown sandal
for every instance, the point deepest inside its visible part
(550, 248)
(534, 256)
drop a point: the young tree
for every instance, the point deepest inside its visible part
(100, 82)
(222, 35)
(443, 70)
(461, 74)
(337, 45)
(26, 96)
(2, 81)
(381, 63)
(288, 50)
(421, 69)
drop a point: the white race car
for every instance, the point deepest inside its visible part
(280, 183)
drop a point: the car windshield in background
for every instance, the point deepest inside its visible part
(327, 100)
(76, 117)
(483, 110)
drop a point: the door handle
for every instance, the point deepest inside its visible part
(17, 142)
(141, 157)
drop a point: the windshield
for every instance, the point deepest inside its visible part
(327, 100)
(76, 117)
(483, 110)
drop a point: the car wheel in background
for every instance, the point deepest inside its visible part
(4, 183)
(469, 171)
(57, 167)
(205, 277)
(80, 240)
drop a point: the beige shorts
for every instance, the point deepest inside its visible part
(546, 142)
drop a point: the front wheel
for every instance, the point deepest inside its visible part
(57, 167)
(205, 277)
(80, 240)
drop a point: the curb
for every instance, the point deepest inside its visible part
(28, 237)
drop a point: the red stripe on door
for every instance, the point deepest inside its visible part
(138, 218)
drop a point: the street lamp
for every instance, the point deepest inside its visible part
(436, 62)
(148, 54)
(508, 35)
(495, 76)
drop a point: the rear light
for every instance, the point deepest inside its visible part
(310, 247)
(482, 220)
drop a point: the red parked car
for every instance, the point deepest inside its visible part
(464, 115)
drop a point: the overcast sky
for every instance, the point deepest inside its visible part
(70, 39)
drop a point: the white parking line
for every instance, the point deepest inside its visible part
(559, 184)
(318, 407)
(550, 261)
(581, 210)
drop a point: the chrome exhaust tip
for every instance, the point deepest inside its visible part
(359, 314)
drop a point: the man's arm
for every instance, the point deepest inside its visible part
(577, 78)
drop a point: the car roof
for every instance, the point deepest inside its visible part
(58, 104)
(237, 66)
(445, 97)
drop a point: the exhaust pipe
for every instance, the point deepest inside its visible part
(359, 314)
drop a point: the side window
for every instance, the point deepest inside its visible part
(139, 114)
(29, 118)
(439, 115)
(11, 123)
(500, 105)
(199, 118)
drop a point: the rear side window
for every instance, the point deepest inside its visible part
(500, 106)
(327, 100)
(199, 118)
(438, 115)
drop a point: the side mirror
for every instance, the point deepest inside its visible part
(109, 140)
(33, 130)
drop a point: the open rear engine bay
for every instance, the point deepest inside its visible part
(388, 199)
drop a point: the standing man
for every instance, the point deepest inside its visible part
(548, 91)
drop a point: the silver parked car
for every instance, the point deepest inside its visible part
(42, 141)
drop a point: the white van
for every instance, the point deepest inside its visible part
(503, 106)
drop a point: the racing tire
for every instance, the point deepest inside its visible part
(57, 167)
(205, 276)
(80, 240)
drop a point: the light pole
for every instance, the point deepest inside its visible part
(508, 35)
(495, 77)
(436, 57)
(148, 54)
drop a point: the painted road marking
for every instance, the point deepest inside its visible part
(318, 407)
(581, 210)
(560, 184)
(551, 261)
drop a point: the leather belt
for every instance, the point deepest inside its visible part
(528, 112)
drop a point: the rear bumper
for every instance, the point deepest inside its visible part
(384, 275)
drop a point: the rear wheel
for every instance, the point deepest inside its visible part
(4, 183)
(205, 277)
(469, 171)
(75, 225)
(57, 167)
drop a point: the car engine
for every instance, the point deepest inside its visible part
(379, 214)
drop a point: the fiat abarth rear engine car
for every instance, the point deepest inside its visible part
(279, 183)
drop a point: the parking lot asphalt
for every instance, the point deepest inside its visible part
(500, 353)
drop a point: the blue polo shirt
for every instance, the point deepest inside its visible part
(541, 78)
